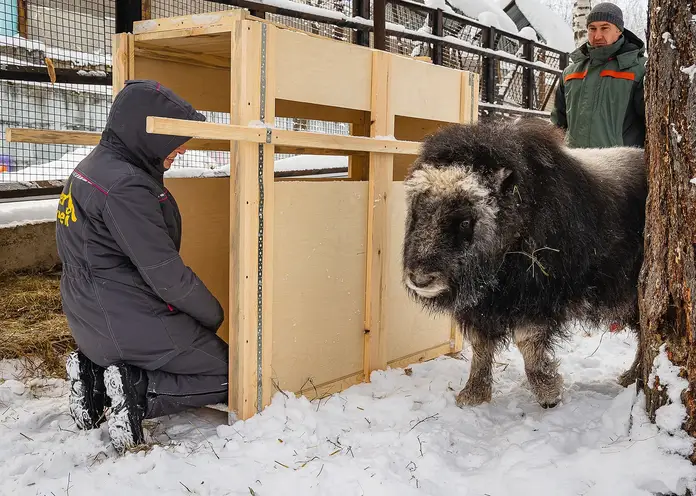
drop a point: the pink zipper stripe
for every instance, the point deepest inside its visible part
(90, 182)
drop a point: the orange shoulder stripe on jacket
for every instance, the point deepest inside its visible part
(618, 75)
(575, 75)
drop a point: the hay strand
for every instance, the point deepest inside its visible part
(32, 324)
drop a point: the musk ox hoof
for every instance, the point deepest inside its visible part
(547, 388)
(474, 394)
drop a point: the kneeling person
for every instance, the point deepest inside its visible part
(144, 323)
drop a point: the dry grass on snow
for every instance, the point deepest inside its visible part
(32, 324)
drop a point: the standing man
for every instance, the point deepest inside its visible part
(599, 100)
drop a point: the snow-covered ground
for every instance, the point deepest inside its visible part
(398, 435)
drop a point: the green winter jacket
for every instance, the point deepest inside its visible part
(599, 101)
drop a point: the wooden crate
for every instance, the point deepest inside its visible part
(330, 308)
(308, 270)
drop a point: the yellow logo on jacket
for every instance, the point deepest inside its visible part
(68, 213)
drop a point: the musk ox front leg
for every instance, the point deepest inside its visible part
(535, 344)
(478, 387)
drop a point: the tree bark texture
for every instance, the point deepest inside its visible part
(667, 285)
(581, 8)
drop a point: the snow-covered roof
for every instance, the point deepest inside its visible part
(551, 28)
(487, 12)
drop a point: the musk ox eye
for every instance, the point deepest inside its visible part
(466, 230)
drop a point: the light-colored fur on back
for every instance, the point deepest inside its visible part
(620, 168)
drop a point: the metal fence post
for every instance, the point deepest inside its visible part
(127, 12)
(380, 24)
(361, 8)
(438, 30)
(489, 77)
(528, 76)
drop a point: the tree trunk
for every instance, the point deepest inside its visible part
(580, 10)
(667, 283)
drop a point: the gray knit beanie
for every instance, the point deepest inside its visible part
(606, 12)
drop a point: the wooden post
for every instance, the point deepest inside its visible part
(359, 165)
(22, 25)
(380, 181)
(122, 55)
(146, 10)
(251, 219)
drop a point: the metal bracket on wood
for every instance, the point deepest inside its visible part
(259, 291)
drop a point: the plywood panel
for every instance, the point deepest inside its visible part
(319, 281)
(425, 91)
(410, 329)
(205, 88)
(410, 129)
(205, 246)
(322, 71)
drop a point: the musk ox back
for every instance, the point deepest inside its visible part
(514, 235)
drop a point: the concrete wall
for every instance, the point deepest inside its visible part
(28, 247)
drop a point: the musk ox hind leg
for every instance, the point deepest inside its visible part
(536, 346)
(479, 385)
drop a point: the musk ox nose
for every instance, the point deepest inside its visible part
(421, 280)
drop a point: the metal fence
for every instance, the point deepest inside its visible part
(55, 66)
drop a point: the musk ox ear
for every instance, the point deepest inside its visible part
(503, 179)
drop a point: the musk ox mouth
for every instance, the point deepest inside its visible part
(425, 285)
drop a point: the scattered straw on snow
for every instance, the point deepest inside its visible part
(32, 325)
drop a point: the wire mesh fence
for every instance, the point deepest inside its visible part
(72, 38)
(55, 67)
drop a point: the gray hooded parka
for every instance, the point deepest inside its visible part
(127, 294)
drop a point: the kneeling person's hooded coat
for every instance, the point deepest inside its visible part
(126, 292)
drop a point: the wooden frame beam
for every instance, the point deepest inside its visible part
(270, 136)
(90, 138)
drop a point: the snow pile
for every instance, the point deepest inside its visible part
(529, 33)
(689, 71)
(485, 11)
(27, 212)
(671, 416)
(77, 58)
(194, 163)
(215, 164)
(55, 170)
(311, 162)
(548, 24)
(400, 434)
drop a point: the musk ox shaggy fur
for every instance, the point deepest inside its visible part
(516, 236)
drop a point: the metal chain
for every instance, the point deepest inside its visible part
(259, 288)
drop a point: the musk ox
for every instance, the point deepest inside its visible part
(515, 236)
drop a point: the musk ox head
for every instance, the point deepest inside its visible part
(463, 196)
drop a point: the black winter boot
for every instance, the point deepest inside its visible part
(87, 399)
(126, 387)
